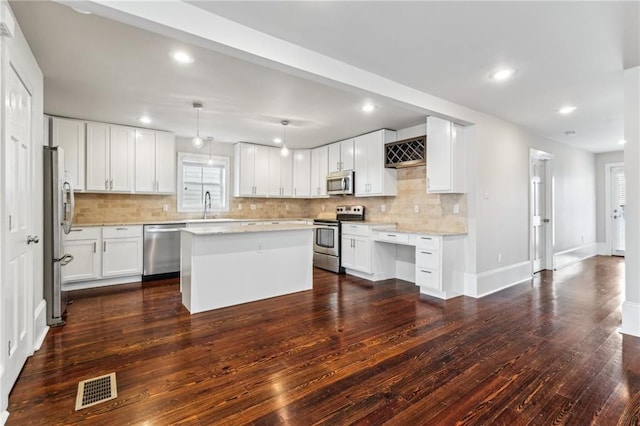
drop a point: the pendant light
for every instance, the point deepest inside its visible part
(284, 151)
(197, 141)
(210, 140)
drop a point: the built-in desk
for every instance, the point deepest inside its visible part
(433, 261)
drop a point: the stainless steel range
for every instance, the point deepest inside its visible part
(327, 236)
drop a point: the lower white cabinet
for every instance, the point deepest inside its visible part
(356, 253)
(102, 254)
(84, 245)
(362, 257)
(121, 250)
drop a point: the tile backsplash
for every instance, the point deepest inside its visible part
(435, 211)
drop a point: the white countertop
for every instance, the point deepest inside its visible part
(239, 229)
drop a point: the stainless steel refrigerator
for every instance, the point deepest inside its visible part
(58, 217)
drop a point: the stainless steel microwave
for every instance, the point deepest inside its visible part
(340, 183)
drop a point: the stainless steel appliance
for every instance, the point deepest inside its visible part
(58, 218)
(327, 236)
(161, 251)
(341, 183)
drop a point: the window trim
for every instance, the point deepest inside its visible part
(203, 159)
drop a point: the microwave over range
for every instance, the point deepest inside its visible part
(341, 183)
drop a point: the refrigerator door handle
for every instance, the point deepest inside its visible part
(64, 259)
(68, 220)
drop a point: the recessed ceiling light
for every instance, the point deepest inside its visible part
(568, 109)
(368, 107)
(277, 140)
(145, 120)
(622, 142)
(182, 57)
(570, 133)
(502, 74)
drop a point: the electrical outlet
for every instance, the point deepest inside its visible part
(456, 209)
(323, 207)
(165, 207)
(239, 206)
(252, 206)
(416, 209)
(383, 208)
(499, 258)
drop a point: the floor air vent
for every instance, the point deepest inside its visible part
(96, 390)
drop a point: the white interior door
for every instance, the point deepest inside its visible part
(617, 211)
(18, 262)
(538, 209)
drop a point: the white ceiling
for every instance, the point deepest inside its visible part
(565, 52)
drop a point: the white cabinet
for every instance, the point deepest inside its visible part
(356, 253)
(341, 156)
(301, 173)
(446, 156)
(319, 169)
(155, 162)
(70, 135)
(84, 245)
(280, 174)
(372, 178)
(121, 250)
(251, 170)
(110, 158)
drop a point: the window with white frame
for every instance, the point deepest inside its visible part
(199, 174)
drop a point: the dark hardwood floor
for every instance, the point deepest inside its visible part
(543, 352)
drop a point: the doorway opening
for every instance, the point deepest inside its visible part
(541, 233)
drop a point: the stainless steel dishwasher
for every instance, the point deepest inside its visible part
(161, 251)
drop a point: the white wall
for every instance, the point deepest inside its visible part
(602, 160)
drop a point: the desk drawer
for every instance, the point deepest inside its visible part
(428, 278)
(392, 237)
(428, 242)
(428, 258)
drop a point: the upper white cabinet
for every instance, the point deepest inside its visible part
(155, 162)
(280, 174)
(446, 155)
(251, 170)
(70, 135)
(301, 173)
(319, 169)
(371, 177)
(110, 157)
(341, 156)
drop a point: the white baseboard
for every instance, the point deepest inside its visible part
(81, 285)
(630, 318)
(574, 255)
(603, 249)
(486, 283)
(3, 417)
(40, 324)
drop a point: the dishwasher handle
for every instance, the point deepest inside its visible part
(161, 230)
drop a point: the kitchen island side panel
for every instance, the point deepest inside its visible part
(229, 269)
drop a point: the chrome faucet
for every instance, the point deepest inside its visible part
(207, 203)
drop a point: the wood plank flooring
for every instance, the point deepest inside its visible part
(347, 352)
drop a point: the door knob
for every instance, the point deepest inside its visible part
(33, 239)
(546, 220)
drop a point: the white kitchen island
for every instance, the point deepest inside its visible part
(231, 264)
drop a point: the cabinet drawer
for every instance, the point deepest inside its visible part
(426, 258)
(359, 230)
(428, 242)
(428, 278)
(89, 233)
(392, 237)
(122, 231)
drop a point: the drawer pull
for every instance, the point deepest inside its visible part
(122, 229)
(77, 230)
(426, 238)
(426, 272)
(391, 235)
(426, 252)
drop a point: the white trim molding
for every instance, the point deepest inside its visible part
(630, 318)
(40, 324)
(488, 282)
(574, 255)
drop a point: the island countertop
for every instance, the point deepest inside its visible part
(239, 229)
